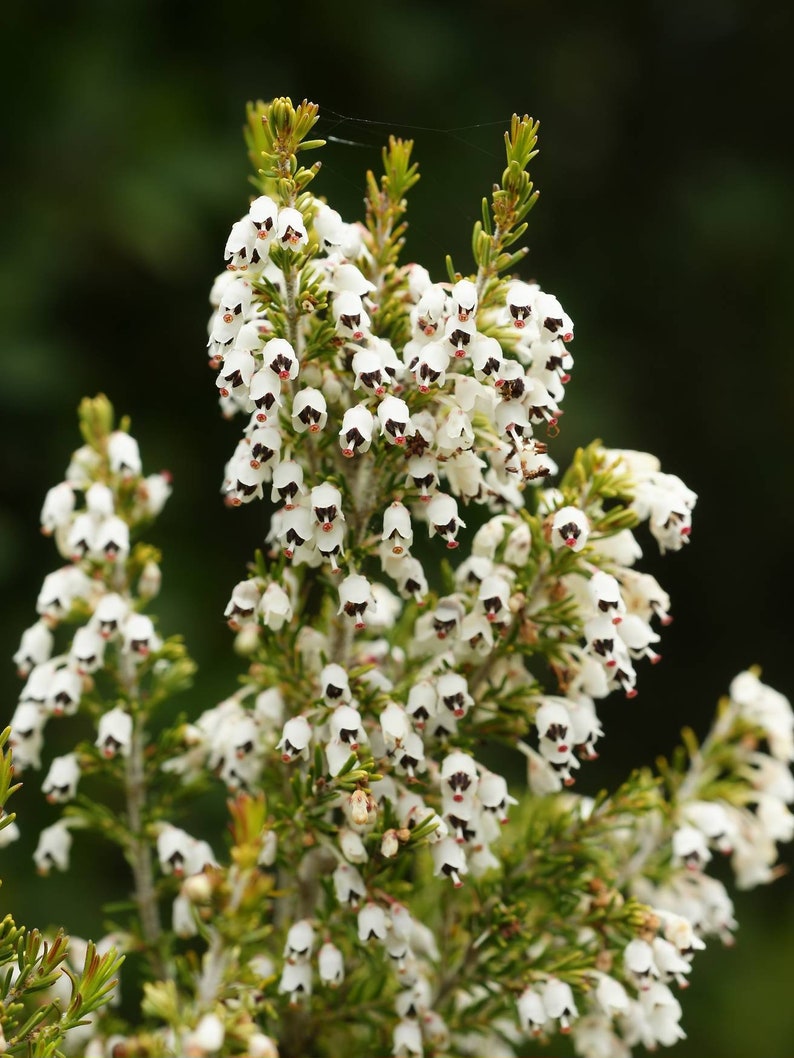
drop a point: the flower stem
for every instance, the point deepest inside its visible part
(139, 851)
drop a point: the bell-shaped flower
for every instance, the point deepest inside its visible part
(112, 539)
(348, 884)
(309, 411)
(60, 785)
(397, 528)
(559, 1003)
(407, 1039)
(553, 722)
(464, 300)
(411, 580)
(65, 691)
(265, 393)
(532, 1015)
(355, 597)
(330, 965)
(639, 964)
(453, 694)
(295, 528)
(352, 321)
(553, 320)
(372, 922)
(430, 310)
(115, 733)
(123, 454)
(288, 483)
(279, 357)
(519, 300)
(27, 736)
(443, 518)
(493, 795)
(570, 527)
(241, 607)
(325, 501)
(35, 648)
(58, 507)
(99, 500)
(430, 365)
(53, 848)
(606, 595)
(206, 1039)
(80, 538)
(240, 245)
(300, 942)
(690, 848)
(140, 638)
(262, 213)
(422, 702)
(638, 635)
(275, 607)
(459, 776)
(296, 981)
(423, 475)
(395, 420)
(295, 741)
(345, 725)
(335, 685)
(110, 614)
(87, 651)
(355, 434)
(449, 859)
(291, 229)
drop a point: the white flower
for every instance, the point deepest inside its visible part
(355, 434)
(449, 859)
(279, 356)
(407, 1039)
(309, 411)
(207, 1037)
(300, 942)
(351, 319)
(371, 922)
(348, 884)
(139, 635)
(55, 843)
(57, 509)
(123, 454)
(443, 518)
(639, 964)
(395, 420)
(532, 1016)
(35, 647)
(287, 483)
(459, 773)
(62, 779)
(330, 965)
(262, 213)
(291, 229)
(275, 607)
(690, 848)
(65, 691)
(27, 735)
(570, 528)
(110, 613)
(559, 1003)
(240, 244)
(115, 733)
(355, 596)
(295, 740)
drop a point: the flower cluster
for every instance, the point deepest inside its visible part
(428, 611)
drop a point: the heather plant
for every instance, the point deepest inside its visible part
(435, 613)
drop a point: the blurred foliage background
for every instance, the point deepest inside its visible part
(664, 226)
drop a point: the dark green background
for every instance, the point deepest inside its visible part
(664, 225)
